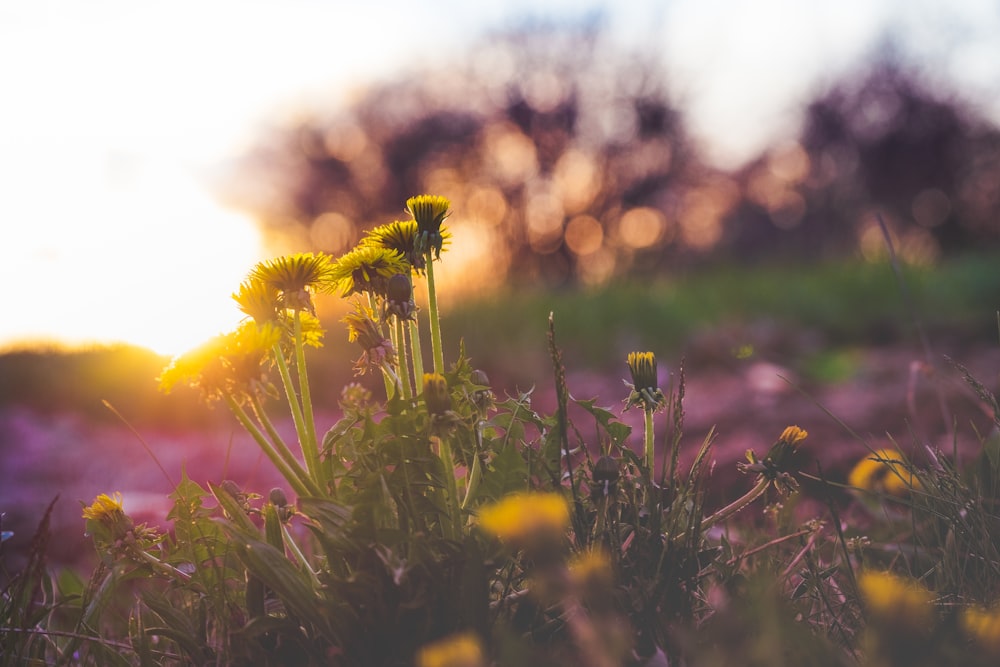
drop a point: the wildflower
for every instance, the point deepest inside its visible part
(399, 298)
(105, 508)
(883, 471)
(295, 277)
(429, 211)
(461, 650)
(377, 349)
(402, 236)
(645, 384)
(367, 268)
(896, 603)
(983, 627)
(114, 532)
(258, 299)
(230, 364)
(776, 466)
(526, 518)
(436, 394)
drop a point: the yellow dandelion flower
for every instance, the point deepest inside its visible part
(105, 508)
(461, 650)
(793, 435)
(983, 627)
(106, 520)
(884, 471)
(429, 211)
(645, 382)
(295, 277)
(401, 236)
(367, 268)
(895, 601)
(228, 364)
(526, 517)
(258, 299)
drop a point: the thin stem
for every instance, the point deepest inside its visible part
(404, 365)
(649, 440)
(753, 494)
(454, 511)
(312, 462)
(416, 352)
(276, 439)
(435, 320)
(303, 487)
(309, 443)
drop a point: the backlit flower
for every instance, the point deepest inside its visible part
(461, 650)
(367, 268)
(230, 364)
(401, 236)
(429, 211)
(295, 277)
(377, 349)
(524, 518)
(645, 383)
(105, 508)
(258, 299)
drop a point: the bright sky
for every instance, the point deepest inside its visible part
(113, 113)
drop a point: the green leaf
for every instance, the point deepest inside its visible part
(507, 473)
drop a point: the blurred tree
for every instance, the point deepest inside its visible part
(883, 142)
(562, 154)
(566, 160)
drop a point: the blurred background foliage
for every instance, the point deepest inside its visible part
(568, 163)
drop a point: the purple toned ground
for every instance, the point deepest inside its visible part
(890, 394)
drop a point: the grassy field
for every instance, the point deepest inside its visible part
(448, 524)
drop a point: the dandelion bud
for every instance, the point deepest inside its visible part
(605, 475)
(429, 211)
(645, 384)
(436, 394)
(277, 497)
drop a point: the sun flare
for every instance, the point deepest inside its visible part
(152, 264)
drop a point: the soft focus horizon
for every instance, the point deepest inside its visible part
(117, 118)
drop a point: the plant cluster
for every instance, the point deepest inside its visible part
(443, 526)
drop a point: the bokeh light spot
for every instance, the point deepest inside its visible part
(584, 235)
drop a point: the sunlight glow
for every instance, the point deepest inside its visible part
(153, 265)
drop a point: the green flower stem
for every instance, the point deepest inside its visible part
(300, 557)
(475, 476)
(416, 352)
(276, 440)
(435, 320)
(444, 451)
(753, 494)
(305, 396)
(160, 566)
(649, 440)
(303, 486)
(311, 457)
(404, 365)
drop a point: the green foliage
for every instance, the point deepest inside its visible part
(608, 559)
